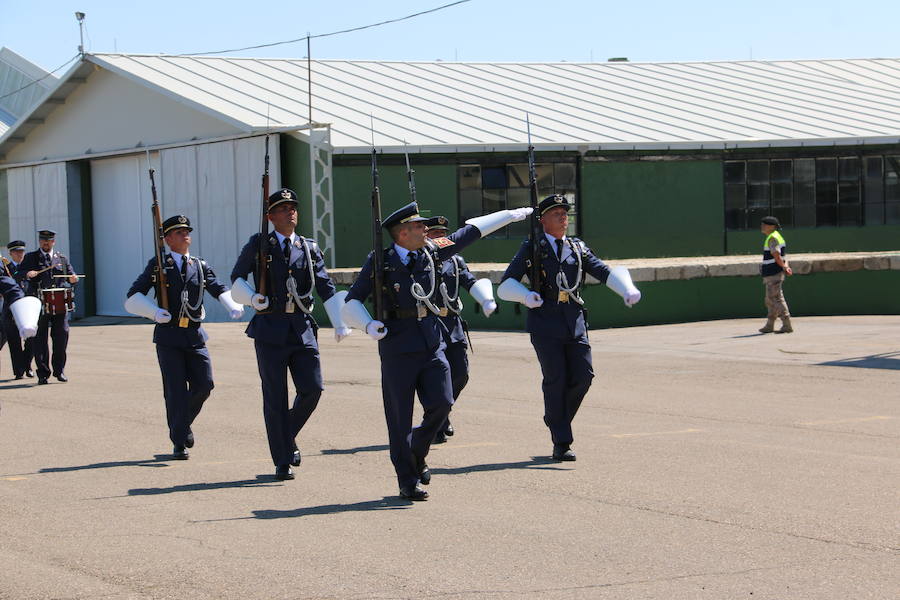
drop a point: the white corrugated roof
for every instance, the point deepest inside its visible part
(448, 106)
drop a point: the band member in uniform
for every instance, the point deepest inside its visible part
(556, 318)
(410, 340)
(284, 332)
(179, 338)
(25, 310)
(19, 350)
(455, 276)
(46, 269)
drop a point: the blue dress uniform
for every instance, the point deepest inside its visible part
(57, 326)
(285, 335)
(181, 342)
(559, 328)
(19, 353)
(413, 351)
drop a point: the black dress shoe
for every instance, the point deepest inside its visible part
(29, 373)
(180, 453)
(423, 471)
(563, 452)
(414, 493)
(42, 381)
(448, 430)
(284, 472)
(189, 440)
(62, 377)
(296, 458)
(19, 376)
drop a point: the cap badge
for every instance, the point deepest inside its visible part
(182, 219)
(285, 194)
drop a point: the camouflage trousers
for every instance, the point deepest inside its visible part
(775, 302)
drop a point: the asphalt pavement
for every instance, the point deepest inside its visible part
(713, 462)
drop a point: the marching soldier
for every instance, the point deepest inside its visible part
(46, 269)
(25, 310)
(556, 318)
(283, 330)
(410, 340)
(179, 338)
(455, 276)
(19, 352)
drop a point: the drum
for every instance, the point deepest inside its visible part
(58, 301)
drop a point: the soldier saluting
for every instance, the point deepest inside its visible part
(410, 339)
(180, 340)
(556, 319)
(43, 269)
(283, 330)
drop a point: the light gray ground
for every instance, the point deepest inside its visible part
(711, 464)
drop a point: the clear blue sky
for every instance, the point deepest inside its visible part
(46, 32)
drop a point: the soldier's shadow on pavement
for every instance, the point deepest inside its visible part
(536, 462)
(886, 360)
(16, 386)
(260, 481)
(356, 450)
(158, 460)
(386, 503)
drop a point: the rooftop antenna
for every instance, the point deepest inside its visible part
(80, 16)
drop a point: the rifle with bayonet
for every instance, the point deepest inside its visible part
(378, 244)
(162, 295)
(262, 258)
(536, 231)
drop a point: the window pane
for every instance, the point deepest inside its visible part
(849, 214)
(874, 191)
(826, 169)
(892, 178)
(516, 197)
(758, 171)
(804, 193)
(564, 177)
(805, 170)
(848, 169)
(826, 215)
(826, 185)
(735, 218)
(734, 171)
(755, 215)
(892, 213)
(785, 216)
(735, 196)
(493, 178)
(518, 175)
(544, 180)
(470, 177)
(781, 171)
(470, 204)
(805, 216)
(758, 195)
(781, 194)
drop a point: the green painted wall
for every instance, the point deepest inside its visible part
(824, 239)
(650, 209)
(295, 175)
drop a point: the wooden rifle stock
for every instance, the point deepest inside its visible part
(262, 259)
(162, 295)
(378, 244)
(536, 230)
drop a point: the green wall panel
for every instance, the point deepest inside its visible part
(653, 208)
(295, 175)
(823, 239)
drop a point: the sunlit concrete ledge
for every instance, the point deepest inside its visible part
(699, 267)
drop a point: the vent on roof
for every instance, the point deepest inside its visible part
(617, 59)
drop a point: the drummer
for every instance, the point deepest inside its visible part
(47, 269)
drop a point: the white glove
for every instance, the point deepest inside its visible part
(520, 214)
(533, 300)
(341, 332)
(488, 306)
(162, 316)
(259, 302)
(235, 310)
(372, 329)
(632, 298)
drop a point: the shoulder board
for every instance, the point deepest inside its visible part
(442, 242)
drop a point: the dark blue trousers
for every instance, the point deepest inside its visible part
(19, 353)
(57, 326)
(458, 359)
(187, 382)
(402, 377)
(283, 423)
(567, 370)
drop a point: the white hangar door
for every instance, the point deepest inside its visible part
(123, 236)
(217, 186)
